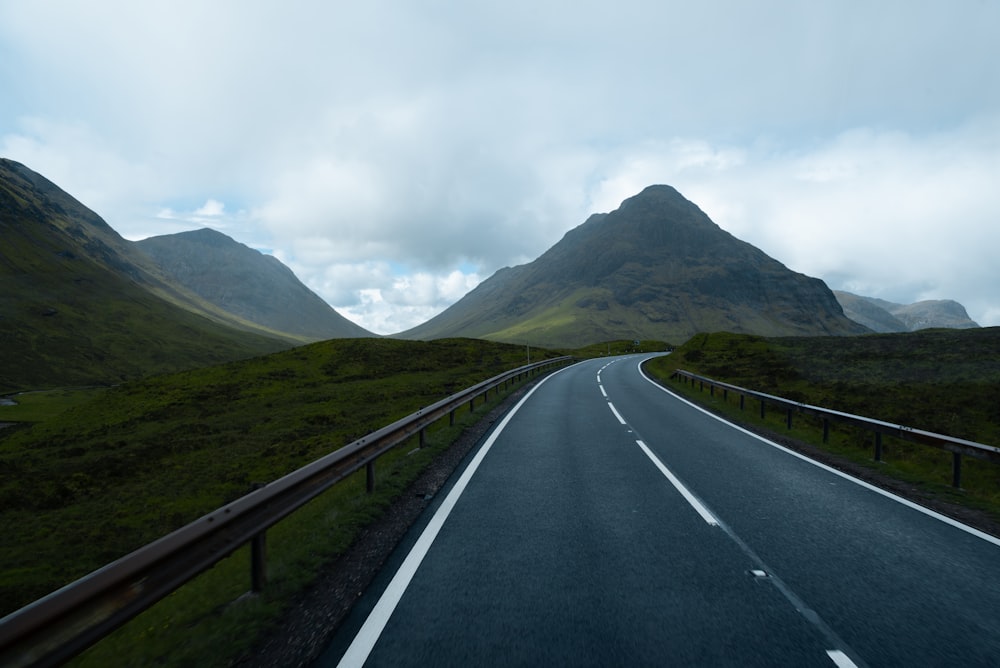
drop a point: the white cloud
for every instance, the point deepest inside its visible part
(397, 303)
(211, 208)
(851, 140)
(885, 213)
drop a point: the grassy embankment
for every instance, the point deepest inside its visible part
(134, 462)
(945, 381)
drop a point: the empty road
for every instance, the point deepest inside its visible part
(607, 522)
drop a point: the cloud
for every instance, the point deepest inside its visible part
(850, 140)
(884, 213)
(211, 208)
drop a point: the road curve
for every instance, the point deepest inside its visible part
(605, 522)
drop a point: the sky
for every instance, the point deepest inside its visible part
(395, 153)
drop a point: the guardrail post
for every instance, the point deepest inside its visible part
(472, 405)
(423, 437)
(711, 389)
(451, 418)
(743, 400)
(725, 394)
(55, 628)
(258, 558)
(258, 562)
(788, 420)
(826, 430)
(763, 409)
(956, 470)
(878, 446)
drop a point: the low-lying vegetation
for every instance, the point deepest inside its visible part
(945, 381)
(106, 476)
(619, 347)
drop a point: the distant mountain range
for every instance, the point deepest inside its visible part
(80, 305)
(247, 283)
(883, 316)
(656, 268)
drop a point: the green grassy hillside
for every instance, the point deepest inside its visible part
(79, 306)
(142, 459)
(944, 381)
(947, 381)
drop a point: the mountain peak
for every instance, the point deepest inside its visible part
(208, 236)
(884, 316)
(666, 199)
(655, 268)
(248, 283)
(658, 190)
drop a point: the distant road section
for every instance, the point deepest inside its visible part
(606, 522)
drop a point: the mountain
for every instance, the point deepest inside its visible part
(655, 268)
(80, 305)
(884, 316)
(247, 283)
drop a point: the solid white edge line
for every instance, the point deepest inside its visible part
(368, 635)
(906, 502)
(615, 411)
(840, 659)
(688, 496)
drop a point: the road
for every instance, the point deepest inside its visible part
(607, 522)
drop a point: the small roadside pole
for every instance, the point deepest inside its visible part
(258, 557)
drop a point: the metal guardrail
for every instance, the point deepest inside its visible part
(957, 446)
(59, 626)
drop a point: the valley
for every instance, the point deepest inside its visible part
(170, 376)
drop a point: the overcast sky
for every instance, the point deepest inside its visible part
(394, 153)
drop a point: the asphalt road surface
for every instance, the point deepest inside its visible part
(606, 522)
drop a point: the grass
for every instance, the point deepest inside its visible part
(945, 381)
(109, 475)
(211, 621)
(43, 405)
(105, 476)
(620, 347)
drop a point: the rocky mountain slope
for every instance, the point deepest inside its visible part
(81, 305)
(656, 268)
(883, 316)
(247, 283)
